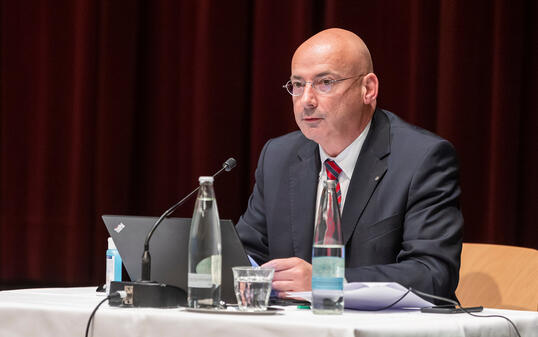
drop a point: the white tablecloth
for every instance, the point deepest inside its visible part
(65, 311)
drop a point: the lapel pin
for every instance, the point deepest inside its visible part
(376, 178)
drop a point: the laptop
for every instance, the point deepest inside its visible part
(168, 248)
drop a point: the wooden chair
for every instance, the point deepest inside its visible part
(497, 276)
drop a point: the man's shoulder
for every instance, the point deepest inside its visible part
(290, 142)
(294, 137)
(410, 144)
(282, 152)
(405, 134)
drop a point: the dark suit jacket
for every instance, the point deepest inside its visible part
(401, 220)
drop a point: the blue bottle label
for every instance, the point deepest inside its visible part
(327, 283)
(113, 266)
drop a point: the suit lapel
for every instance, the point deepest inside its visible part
(303, 183)
(369, 170)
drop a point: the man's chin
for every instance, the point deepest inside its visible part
(310, 129)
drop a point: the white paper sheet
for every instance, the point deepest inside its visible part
(374, 295)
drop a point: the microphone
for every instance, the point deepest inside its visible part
(227, 166)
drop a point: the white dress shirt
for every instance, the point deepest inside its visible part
(346, 160)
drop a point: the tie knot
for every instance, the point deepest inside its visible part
(333, 170)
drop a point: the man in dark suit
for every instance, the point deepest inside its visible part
(401, 220)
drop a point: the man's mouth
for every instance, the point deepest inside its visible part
(311, 119)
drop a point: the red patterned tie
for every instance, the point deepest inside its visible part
(333, 171)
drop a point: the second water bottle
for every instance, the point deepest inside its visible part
(328, 258)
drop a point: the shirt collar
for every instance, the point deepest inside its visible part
(348, 157)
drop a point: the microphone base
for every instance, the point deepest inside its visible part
(148, 295)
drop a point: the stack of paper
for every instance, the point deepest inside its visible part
(374, 296)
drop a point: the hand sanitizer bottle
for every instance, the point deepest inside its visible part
(113, 265)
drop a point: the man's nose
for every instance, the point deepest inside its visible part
(308, 98)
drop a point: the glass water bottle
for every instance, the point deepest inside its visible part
(328, 259)
(204, 278)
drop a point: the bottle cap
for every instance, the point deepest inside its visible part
(205, 179)
(111, 244)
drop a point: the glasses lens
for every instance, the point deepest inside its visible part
(298, 88)
(289, 87)
(295, 88)
(324, 85)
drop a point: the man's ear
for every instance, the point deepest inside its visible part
(371, 83)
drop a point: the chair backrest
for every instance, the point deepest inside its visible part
(497, 276)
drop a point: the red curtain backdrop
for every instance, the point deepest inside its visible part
(116, 107)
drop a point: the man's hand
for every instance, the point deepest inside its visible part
(291, 274)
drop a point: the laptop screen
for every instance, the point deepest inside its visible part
(169, 249)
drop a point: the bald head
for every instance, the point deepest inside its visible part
(347, 48)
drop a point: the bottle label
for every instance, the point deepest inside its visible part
(109, 271)
(208, 273)
(200, 280)
(327, 283)
(328, 273)
(328, 266)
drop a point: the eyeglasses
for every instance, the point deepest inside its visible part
(322, 85)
